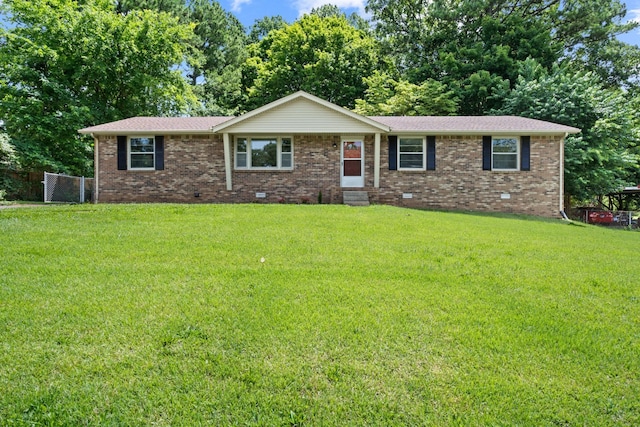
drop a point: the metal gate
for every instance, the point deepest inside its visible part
(67, 189)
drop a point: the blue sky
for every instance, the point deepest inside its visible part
(247, 11)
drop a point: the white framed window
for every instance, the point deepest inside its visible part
(411, 153)
(142, 152)
(505, 153)
(268, 152)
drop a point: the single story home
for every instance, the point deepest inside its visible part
(303, 149)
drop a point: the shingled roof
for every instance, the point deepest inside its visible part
(472, 125)
(423, 124)
(158, 124)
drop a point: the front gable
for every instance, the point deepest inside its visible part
(301, 113)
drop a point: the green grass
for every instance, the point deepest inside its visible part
(164, 315)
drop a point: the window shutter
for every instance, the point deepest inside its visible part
(159, 153)
(486, 153)
(122, 153)
(525, 153)
(431, 153)
(393, 152)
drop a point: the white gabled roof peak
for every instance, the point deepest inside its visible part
(296, 96)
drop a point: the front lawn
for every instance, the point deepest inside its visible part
(166, 315)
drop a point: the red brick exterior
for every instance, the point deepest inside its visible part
(196, 165)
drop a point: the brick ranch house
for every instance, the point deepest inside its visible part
(299, 146)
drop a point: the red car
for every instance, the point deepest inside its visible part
(602, 217)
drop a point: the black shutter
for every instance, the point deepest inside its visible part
(486, 153)
(393, 152)
(525, 153)
(431, 153)
(159, 153)
(122, 153)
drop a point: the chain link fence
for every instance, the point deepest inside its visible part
(67, 189)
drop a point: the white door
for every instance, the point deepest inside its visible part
(352, 170)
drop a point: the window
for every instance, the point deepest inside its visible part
(411, 153)
(287, 154)
(264, 153)
(142, 152)
(504, 152)
(241, 153)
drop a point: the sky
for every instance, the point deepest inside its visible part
(247, 11)
(633, 13)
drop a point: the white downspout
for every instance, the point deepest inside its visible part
(376, 166)
(562, 172)
(96, 169)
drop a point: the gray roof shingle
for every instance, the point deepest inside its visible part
(402, 124)
(471, 124)
(158, 124)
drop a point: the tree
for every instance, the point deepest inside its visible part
(262, 27)
(604, 156)
(388, 97)
(218, 47)
(458, 42)
(333, 11)
(324, 56)
(8, 163)
(69, 64)
(221, 40)
(177, 8)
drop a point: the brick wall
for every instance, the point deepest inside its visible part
(196, 164)
(191, 164)
(459, 183)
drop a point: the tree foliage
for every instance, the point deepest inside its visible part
(217, 48)
(7, 152)
(8, 164)
(388, 97)
(604, 156)
(330, 10)
(324, 56)
(221, 40)
(476, 46)
(264, 26)
(67, 64)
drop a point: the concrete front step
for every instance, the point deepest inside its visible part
(355, 198)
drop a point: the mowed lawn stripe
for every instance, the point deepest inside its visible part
(167, 314)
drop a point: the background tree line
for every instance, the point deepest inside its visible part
(69, 64)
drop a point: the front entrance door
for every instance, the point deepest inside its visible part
(352, 171)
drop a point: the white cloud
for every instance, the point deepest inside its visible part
(634, 16)
(305, 6)
(236, 5)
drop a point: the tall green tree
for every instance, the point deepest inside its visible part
(220, 40)
(604, 156)
(67, 64)
(388, 97)
(327, 57)
(331, 10)
(262, 27)
(177, 8)
(218, 50)
(475, 46)
(8, 164)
